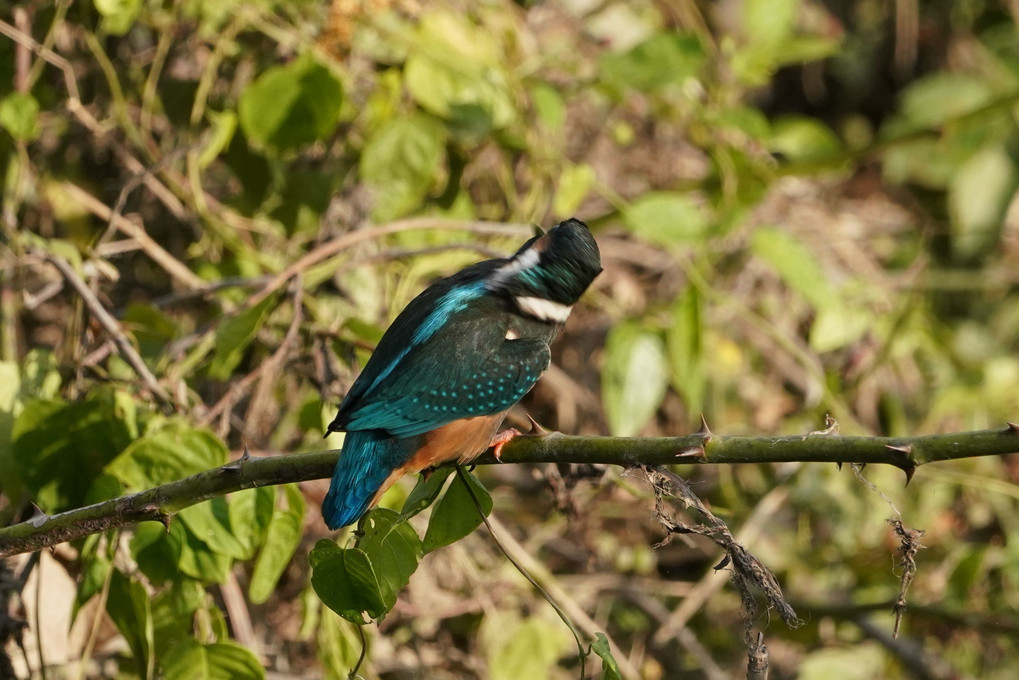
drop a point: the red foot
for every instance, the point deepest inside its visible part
(500, 440)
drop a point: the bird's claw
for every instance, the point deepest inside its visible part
(500, 440)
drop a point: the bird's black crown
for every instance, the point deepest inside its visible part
(557, 266)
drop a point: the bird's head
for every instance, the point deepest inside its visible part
(550, 272)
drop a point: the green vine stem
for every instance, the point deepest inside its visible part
(160, 503)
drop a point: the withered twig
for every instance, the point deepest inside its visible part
(124, 346)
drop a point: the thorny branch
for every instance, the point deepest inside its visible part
(162, 502)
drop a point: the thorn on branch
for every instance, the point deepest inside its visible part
(38, 517)
(1013, 428)
(536, 429)
(831, 427)
(696, 452)
(909, 473)
(908, 467)
(704, 430)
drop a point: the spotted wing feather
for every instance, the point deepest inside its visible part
(429, 393)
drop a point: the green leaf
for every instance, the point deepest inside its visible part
(127, 603)
(209, 522)
(344, 580)
(794, 262)
(338, 646)
(424, 492)
(150, 327)
(199, 561)
(19, 115)
(91, 578)
(40, 375)
(59, 449)
(172, 453)
(157, 550)
(457, 73)
(769, 22)
(549, 106)
(118, 15)
(666, 219)
(804, 140)
(281, 541)
(685, 341)
(173, 609)
(610, 668)
(400, 161)
(861, 662)
(749, 120)
(10, 407)
(837, 325)
(979, 194)
(292, 105)
(366, 579)
(769, 28)
(394, 549)
(305, 196)
(191, 660)
(662, 59)
(456, 515)
(635, 376)
(251, 511)
(529, 650)
(574, 184)
(942, 96)
(224, 124)
(804, 49)
(233, 337)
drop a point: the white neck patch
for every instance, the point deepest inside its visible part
(543, 310)
(527, 259)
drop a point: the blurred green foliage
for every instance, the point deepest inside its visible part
(804, 208)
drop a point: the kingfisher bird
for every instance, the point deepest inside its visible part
(453, 363)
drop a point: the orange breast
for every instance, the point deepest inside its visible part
(461, 440)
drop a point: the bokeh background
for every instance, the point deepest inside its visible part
(805, 209)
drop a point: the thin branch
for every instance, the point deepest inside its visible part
(269, 367)
(905, 453)
(341, 243)
(174, 267)
(513, 550)
(988, 623)
(124, 346)
(160, 503)
(917, 659)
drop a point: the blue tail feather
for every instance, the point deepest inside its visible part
(368, 457)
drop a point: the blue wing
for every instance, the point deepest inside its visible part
(427, 392)
(446, 357)
(414, 325)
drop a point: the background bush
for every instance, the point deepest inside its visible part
(804, 208)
